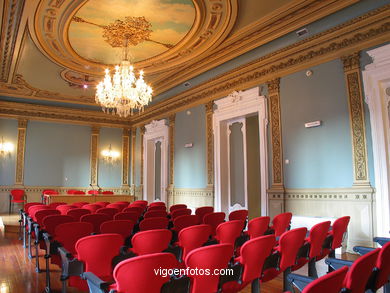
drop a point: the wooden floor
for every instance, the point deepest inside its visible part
(17, 272)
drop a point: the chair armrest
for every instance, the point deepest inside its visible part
(176, 284)
(70, 266)
(336, 263)
(299, 281)
(362, 249)
(381, 240)
(236, 276)
(95, 284)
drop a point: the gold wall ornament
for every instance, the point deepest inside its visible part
(133, 143)
(125, 157)
(21, 147)
(210, 145)
(356, 109)
(172, 149)
(276, 132)
(143, 129)
(95, 131)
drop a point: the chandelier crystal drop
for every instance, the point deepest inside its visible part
(123, 92)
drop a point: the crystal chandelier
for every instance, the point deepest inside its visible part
(110, 156)
(5, 148)
(123, 92)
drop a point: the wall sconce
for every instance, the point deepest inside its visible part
(110, 156)
(6, 148)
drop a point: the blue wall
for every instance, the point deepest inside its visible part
(320, 157)
(110, 174)
(57, 154)
(190, 163)
(9, 131)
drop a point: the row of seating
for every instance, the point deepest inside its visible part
(278, 254)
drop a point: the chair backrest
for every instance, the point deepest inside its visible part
(35, 208)
(360, 271)
(17, 194)
(339, 227)
(96, 220)
(140, 202)
(107, 192)
(77, 213)
(185, 221)
(151, 214)
(121, 227)
(49, 192)
(40, 215)
(177, 207)
(31, 204)
(157, 204)
(52, 221)
(281, 222)
(229, 231)
(152, 241)
(68, 233)
(317, 237)
(331, 282)
(97, 252)
(65, 208)
(214, 219)
(202, 211)
(253, 255)
(238, 215)
(258, 226)
(70, 191)
(54, 205)
(139, 210)
(80, 204)
(117, 205)
(78, 192)
(138, 274)
(93, 192)
(157, 208)
(102, 204)
(193, 237)
(289, 244)
(92, 207)
(132, 216)
(108, 211)
(153, 223)
(383, 266)
(180, 212)
(209, 257)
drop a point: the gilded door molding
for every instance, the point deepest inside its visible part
(21, 147)
(95, 131)
(356, 110)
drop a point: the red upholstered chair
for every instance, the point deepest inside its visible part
(157, 204)
(132, 216)
(281, 223)
(157, 208)
(139, 210)
(117, 205)
(121, 227)
(138, 274)
(180, 212)
(382, 268)
(202, 211)
(284, 256)
(193, 237)
(152, 241)
(214, 219)
(17, 196)
(108, 211)
(253, 255)
(102, 204)
(50, 192)
(23, 217)
(185, 221)
(107, 192)
(30, 204)
(153, 223)
(54, 205)
(78, 192)
(228, 232)
(77, 213)
(177, 207)
(209, 257)
(80, 204)
(258, 226)
(97, 253)
(93, 192)
(123, 202)
(140, 202)
(92, 207)
(65, 208)
(315, 241)
(71, 191)
(238, 215)
(151, 214)
(96, 220)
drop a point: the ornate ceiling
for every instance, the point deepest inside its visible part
(51, 48)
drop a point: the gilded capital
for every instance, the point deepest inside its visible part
(95, 130)
(273, 86)
(172, 119)
(22, 123)
(209, 107)
(351, 62)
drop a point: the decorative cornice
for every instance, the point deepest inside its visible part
(60, 114)
(367, 30)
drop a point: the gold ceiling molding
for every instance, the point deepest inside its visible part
(12, 13)
(370, 29)
(20, 88)
(49, 26)
(284, 20)
(60, 114)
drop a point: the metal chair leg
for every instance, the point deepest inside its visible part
(312, 270)
(29, 244)
(255, 287)
(37, 268)
(286, 284)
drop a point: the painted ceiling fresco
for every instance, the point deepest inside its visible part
(98, 29)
